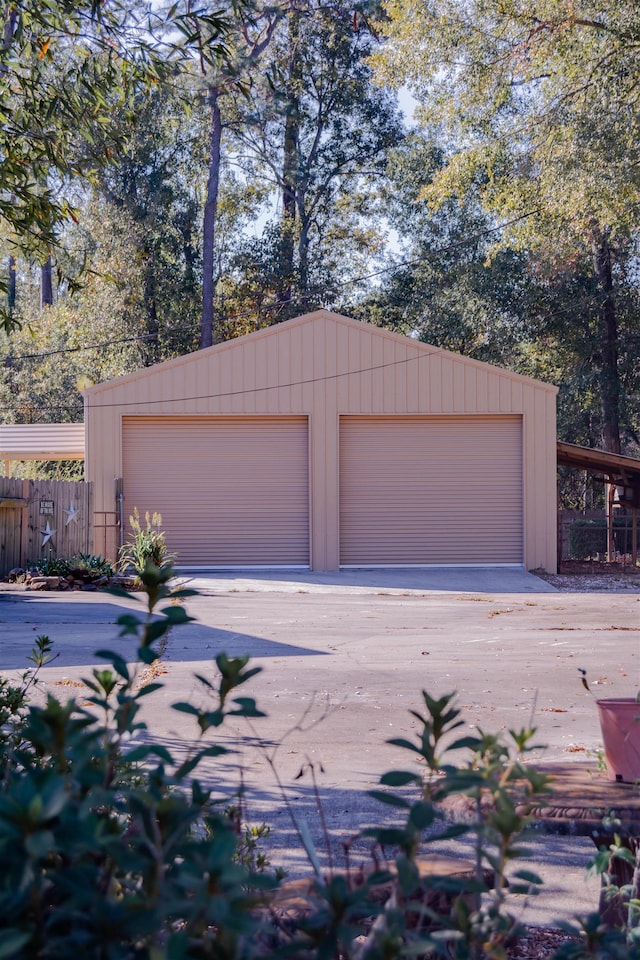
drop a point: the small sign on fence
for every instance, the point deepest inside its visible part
(46, 508)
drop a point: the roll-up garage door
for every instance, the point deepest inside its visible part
(431, 490)
(232, 491)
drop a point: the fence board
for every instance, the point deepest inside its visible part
(57, 521)
(12, 518)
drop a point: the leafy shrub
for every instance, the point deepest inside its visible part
(146, 546)
(50, 566)
(95, 862)
(93, 566)
(112, 849)
(14, 699)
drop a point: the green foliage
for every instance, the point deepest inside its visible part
(50, 566)
(69, 75)
(95, 566)
(536, 106)
(146, 546)
(89, 564)
(94, 861)
(495, 785)
(110, 846)
(14, 699)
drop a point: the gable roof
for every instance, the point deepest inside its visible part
(317, 317)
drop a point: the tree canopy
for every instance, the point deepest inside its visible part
(67, 69)
(536, 105)
(228, 170)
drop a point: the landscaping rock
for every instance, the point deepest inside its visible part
(38, 583)
(16, 574)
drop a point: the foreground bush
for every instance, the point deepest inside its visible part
(99, 858)
(111, 848)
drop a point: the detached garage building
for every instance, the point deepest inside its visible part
(325, 442)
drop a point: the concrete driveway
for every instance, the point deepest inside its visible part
(344, 659)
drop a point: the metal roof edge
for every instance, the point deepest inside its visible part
(42, 441)
(585, 458)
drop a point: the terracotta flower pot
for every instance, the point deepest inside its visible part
(620, 725)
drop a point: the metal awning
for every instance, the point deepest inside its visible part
(612, 467)
(40, 441)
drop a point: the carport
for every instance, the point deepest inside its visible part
(40, 441)
(621, 477)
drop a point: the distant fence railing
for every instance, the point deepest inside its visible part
(43, 518)
(583, 535)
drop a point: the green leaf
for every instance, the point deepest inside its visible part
(149, 688)
(528, 876)
(39, 844)
(155, 630)
(177, 615)
(143, 752)
(12, 941)
(147, 655)
(422, 815)
(117, 661)
(130, 624)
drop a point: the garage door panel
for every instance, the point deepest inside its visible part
(231, 491)
(431, 490)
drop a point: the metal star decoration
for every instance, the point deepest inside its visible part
(71, 514)
(47, 533)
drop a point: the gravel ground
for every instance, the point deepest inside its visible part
(594, 578)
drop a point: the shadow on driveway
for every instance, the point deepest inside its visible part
(81, 627)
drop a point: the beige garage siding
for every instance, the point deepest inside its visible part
(232, 491)
(431, 490)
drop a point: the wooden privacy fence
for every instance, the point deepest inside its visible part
(43, 518)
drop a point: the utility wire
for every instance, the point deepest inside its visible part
(253, 390)
(275, 386)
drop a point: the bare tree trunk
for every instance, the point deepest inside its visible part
(209, 222)
(303, 257)
(46, 284)
(151, 351)
(11, 287)
(290, 172)
(608, 374)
